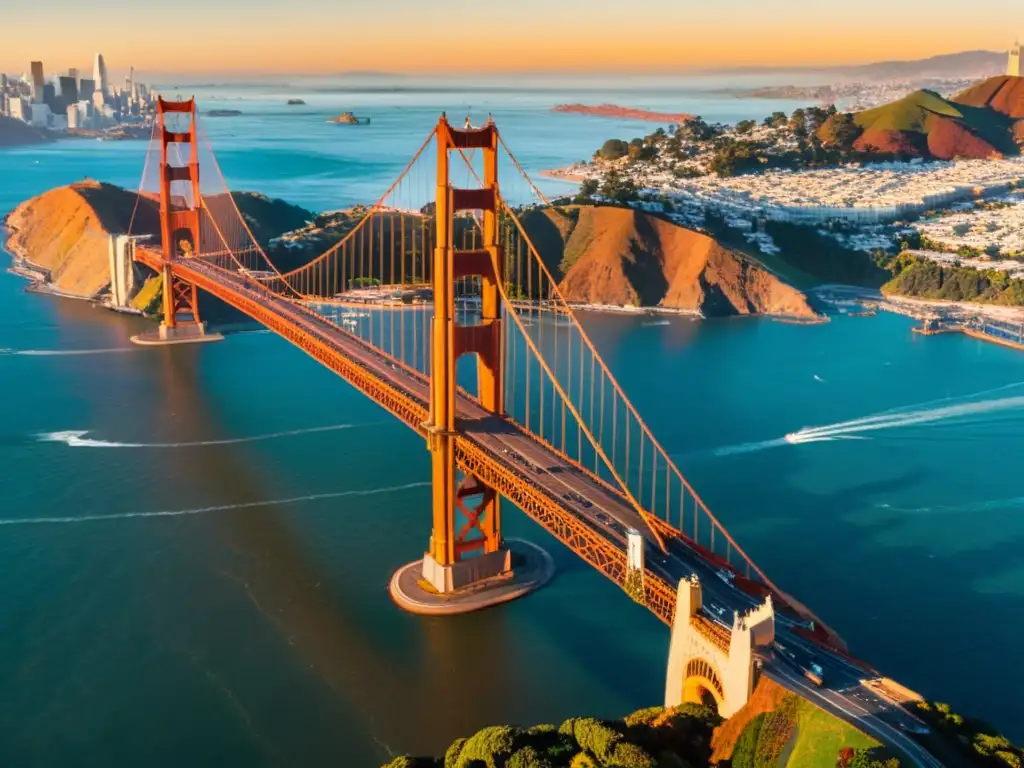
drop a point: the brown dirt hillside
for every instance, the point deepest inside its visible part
(767, 697)
(620, 256)
(65, 231)
(1004, 94)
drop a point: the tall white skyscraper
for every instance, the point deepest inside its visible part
(1013, 65)
(99, 74)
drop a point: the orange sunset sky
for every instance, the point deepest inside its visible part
(463, 37)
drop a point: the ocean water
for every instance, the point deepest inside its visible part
(196, 543)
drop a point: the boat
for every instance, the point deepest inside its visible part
(348, 118)
(295, 102)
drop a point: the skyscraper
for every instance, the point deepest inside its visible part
(86, 88)
(73, 72)
(1013, 65)
(37, 81)
(99, 74)
(68, 87)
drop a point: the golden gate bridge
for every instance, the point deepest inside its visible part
(440, 304)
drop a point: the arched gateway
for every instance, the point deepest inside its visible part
(706, 660)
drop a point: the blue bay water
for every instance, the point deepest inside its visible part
(240, 632)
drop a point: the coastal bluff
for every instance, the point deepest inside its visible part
(14, 133)
(64, 231)
(626, 257)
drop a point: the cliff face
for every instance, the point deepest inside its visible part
(14, 133)
(65, 230)
(621, 256)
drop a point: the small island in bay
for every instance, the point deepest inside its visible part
(223, 113)
(349, 118)
(295, 102)
(625, 113)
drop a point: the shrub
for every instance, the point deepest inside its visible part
(594, 736)
(451, 756)
(613, 149)
(405, 761)
(643, 716)
(627, 755)
(745, 752)
(528, 757)
(491, 746)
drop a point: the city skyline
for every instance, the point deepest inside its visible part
(405, 37)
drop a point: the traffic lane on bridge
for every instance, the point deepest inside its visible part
(502, 438)
(854, 713)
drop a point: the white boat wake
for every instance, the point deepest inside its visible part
(901, 419)
(962, 409)
(63, 352)
(216, 508)
(77, 438)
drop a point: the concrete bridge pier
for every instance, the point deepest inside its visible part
(706, 661)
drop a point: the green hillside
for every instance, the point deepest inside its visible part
(913, 113)
(926, 124)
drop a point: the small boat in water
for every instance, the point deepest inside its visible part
(349, 118)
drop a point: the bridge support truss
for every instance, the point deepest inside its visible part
(461, 555)
(179, 230)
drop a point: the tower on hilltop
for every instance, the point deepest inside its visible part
(1013, 65)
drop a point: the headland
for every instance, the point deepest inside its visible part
(627, 113)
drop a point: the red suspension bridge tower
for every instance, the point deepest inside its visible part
(181, 206)
(461, 555)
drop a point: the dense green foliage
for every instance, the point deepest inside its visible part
(613, 149)
(649, 738)
(925, 279)
(975, 741)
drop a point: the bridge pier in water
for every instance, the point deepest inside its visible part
(179, 233)
(708, 661)
(467, 566)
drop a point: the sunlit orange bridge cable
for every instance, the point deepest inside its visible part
(142, 181)
(629, 405)
(567, 403)
(375, 208)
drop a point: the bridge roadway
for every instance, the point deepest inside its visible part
(607, 515)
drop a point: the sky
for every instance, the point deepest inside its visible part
(246, 37)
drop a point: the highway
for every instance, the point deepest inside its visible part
(605, 511)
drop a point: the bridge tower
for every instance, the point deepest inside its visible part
(475, 551)
(180, 211)
(706, 660)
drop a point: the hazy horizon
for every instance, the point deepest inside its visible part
(232, 39)
(529, 78)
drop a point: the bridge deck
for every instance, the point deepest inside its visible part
(537, 478)
(520, 466)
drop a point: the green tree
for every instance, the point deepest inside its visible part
(613, 149)
(588, 188)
